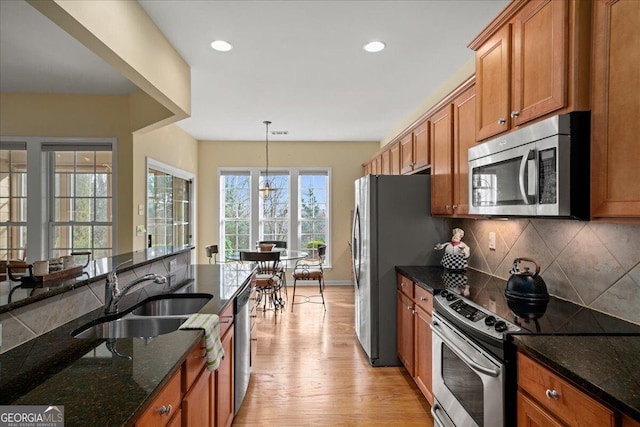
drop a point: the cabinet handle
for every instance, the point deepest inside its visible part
(165, 410)
(455, 207)
(502, 121)
(514, 114)
(447, 207)
(423, 299)
(552, 394)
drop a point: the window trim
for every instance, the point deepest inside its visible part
(294, 225)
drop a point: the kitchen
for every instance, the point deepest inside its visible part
(605, 281)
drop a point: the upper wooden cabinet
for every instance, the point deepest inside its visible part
(394, 158)
(528, 64)
(414, 149)
(452, 134)
(385, 163)
(615, 150)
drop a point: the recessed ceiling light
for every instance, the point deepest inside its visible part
(374, 46)
(221, 45)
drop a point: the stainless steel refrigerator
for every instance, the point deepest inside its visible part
(392, 225)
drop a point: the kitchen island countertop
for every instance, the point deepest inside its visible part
(99, 386)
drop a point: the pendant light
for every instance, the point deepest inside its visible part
(266, 188)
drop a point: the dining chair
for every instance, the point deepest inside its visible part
(280, 244)
(268, 278)
(310, 269)
(212, 252)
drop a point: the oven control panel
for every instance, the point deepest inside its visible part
(473, 315)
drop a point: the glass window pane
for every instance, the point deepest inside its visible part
(62, 235)
(85, 161)
(5, 205)
(63, 185)
(103, 185)
(63, 209)
(84, 185)
(82, 236)
(102, 236)
(84, 210)
(64, 162)
(103, 210)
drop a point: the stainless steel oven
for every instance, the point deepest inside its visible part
(539, 170)
(468, 363)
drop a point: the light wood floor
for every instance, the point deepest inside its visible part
(311, 371)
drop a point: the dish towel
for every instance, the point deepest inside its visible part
(210, 323)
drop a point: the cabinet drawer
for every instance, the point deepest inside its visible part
(226, 319)
(560, 398)
(424, 299)
(164, 406)
(193, 364)
(405, 285)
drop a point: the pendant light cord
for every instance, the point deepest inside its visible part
(266, 174)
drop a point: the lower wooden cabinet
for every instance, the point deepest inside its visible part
(163, 408)
(555, 399)
(224, 386)
(414, 333)
(195, 404)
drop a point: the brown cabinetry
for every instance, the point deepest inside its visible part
(529, 63)
(165, 407)
(394, 158)
(545, 395)
(452, 134)
(414, 149)
(196, 411)
(415, 306)
(224, 387)
(615, 108)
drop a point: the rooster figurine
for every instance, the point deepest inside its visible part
(456, 252)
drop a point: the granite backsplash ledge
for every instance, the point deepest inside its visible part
(592, 264)
(25, 322)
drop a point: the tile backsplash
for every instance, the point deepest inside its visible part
(592, 264)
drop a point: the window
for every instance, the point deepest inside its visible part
(56, 196)
(169, 205)
(297, 211)
(13, 201)
(82, 205)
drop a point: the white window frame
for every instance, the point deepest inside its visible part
(38, 202)
(294, 226)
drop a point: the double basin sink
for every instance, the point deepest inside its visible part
(154, 316)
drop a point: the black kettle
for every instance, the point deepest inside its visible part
(524, 285)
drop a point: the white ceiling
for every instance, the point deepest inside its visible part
(299, 64)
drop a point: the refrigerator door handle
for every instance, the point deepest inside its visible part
(355, 250)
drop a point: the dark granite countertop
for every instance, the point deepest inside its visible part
(98, 386)
(95, 270)
(607, 367)
(597, 352)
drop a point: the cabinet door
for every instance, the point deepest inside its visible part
(464, 137)
(164, 406)
(493, 76)
(615, 151)
(442, 163)
(539, 60)
(195, 404)
(405, 331)
(421, 146)
(394, 158)
(422, 365)
(406, 154)
(531, 415)
(224, 383)
(385, 163)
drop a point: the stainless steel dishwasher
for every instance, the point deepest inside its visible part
(242, 346)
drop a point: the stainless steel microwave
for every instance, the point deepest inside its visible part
(538, 170)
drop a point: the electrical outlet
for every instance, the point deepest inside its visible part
(492, 240)
(173, 264)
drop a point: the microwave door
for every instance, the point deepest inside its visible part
(504, 183)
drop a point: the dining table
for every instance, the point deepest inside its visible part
(285, 254)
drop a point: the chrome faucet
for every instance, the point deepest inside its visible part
(113, 294)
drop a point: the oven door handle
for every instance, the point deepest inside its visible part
(438, 420)
(523, 166)
(462, 355)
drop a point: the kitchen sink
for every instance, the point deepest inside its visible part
(171, 305)
(129, 327)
